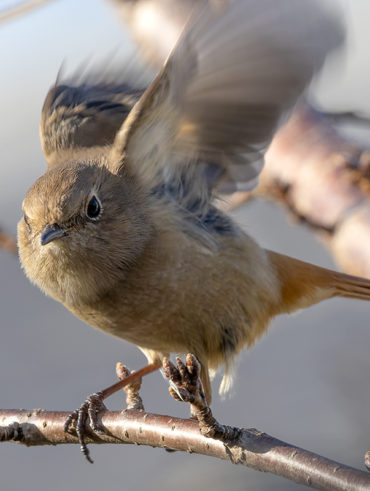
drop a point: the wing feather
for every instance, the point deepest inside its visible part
(236, 71)
(84, 115)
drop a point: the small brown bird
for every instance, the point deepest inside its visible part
(122, 228)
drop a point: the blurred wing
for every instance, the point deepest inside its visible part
(155, 25)
(238, 67)
(83, 114)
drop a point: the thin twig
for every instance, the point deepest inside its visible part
(253, 448)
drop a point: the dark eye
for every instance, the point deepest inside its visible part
(93, 208)
(27, 223)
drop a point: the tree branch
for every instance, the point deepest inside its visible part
(253, 448)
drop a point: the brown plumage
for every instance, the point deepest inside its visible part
(122, 228)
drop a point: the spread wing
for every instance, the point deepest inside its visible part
(236, 71)
(83, 115)
(155, 25)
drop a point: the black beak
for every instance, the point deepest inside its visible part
(50, 233)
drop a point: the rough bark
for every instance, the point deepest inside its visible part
(253, 448)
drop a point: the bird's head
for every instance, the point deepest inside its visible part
(82, 220)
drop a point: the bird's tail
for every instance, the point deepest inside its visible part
(351, 286)
(304, 284)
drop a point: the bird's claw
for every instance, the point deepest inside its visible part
(89, 411)
(185, 385)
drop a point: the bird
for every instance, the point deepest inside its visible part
(123, 228)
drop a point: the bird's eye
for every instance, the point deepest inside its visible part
(27, 223)
(93, 208)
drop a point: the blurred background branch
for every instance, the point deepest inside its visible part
(323, 179)
(17, 9)
(8, 243)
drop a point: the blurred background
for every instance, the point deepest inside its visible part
(306, 382)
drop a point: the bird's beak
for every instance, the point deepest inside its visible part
(50, 233)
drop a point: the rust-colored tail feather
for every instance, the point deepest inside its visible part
(351, 286)
(304, 284)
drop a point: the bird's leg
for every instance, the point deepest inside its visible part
(133, 399)
(186, 386)
(94, 405)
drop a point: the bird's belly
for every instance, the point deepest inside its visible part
(165, 333)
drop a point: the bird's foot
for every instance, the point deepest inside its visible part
(133, 399)
(77, 420)
(94, 404)
(186, 386)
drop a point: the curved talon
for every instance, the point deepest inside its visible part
(174, 394)
(89, 410)
(183, 371)
(193, 365)
(72, 418)
(94, 408)
(81, 431)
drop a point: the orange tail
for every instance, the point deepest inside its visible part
(304, 284)
(351, 286)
